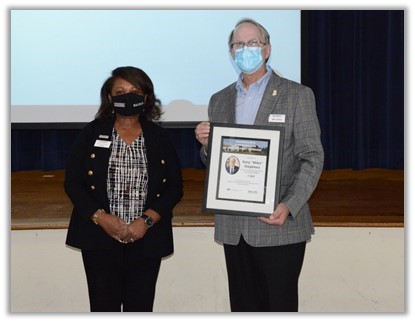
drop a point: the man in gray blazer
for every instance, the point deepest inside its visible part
(264, 255)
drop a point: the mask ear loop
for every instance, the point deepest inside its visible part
(143, 110)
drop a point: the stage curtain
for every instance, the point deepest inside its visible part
(48, 149)
(354, 62)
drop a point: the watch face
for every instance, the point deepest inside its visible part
(149, 222)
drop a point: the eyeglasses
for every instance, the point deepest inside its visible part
(249, 44)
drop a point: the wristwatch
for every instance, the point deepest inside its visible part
(148, 221)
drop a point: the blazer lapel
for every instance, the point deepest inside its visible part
(229, 113)
(269, 100)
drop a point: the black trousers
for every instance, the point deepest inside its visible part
(120, 279)
(264, 279)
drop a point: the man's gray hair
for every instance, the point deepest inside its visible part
(263, 31)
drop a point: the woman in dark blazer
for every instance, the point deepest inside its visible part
(124, 178)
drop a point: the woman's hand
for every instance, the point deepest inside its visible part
(136, 230)
(114, 226)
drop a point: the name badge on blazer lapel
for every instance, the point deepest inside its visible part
(276, 118)
(102, 144)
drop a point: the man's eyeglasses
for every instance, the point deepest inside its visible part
(250, 44)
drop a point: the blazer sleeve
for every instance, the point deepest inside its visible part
(74, 183)
(308, 152)
(167, 185)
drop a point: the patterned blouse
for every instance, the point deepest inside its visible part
(127, 178)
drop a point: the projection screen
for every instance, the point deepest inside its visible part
(59, 59)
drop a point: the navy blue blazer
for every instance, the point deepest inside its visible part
(86, 185)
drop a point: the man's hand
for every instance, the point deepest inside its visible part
(202, 133)
(278, 217)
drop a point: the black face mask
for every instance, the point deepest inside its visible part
(128, 104)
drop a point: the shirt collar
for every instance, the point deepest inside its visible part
(240, 86)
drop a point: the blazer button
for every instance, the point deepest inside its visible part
(92, 187)
(93, 156)
(163, 162)
(90, 172)
(158, 195)
(164, 180)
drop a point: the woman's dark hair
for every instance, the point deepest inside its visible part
(138, 78)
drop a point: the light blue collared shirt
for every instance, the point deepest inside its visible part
(248, 101)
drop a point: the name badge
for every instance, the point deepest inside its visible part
(102, 144)
(276, 118)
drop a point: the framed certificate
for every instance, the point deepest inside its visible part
(243, 169)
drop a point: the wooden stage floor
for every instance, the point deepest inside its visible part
(343, 198)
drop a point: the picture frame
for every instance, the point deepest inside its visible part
(243, 169)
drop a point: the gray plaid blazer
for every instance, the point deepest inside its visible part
(302, 162)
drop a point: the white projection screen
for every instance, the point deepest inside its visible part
(59, 59)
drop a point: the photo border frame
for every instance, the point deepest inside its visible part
(211, 202)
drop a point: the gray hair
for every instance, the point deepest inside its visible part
(263, 31)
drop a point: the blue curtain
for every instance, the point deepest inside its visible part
(48, 149)
(40, 149)
(354, 62)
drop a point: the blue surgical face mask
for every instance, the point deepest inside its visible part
(248, 59)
